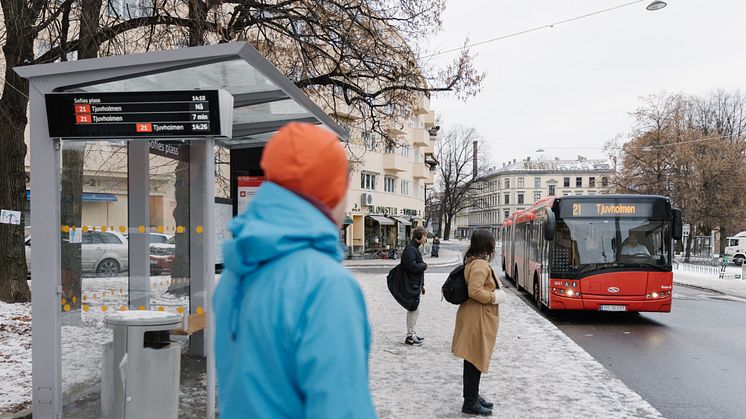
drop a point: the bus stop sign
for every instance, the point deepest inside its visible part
(157, 114)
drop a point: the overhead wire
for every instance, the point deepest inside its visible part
(534, 29)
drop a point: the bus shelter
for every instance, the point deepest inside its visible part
(166, 188)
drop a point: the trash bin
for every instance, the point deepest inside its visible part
(140, 370)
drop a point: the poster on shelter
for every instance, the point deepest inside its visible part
(247, 188)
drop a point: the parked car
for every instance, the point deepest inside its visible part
(105, 253)
(162, 256)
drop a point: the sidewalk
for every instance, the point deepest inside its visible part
(536, 370)
(729, 286)
(448, 256)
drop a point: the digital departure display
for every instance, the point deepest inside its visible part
(158, 114)
(606, 209)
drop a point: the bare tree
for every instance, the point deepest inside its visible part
(360, 57)
(457, 173)
(688, 148)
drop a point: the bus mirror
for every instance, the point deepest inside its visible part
(549, 225)
(678, 226)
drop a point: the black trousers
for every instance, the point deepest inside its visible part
(471, 381)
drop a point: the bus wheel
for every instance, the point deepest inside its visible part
(507, 275)
(537, 294)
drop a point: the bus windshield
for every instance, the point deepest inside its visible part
(591, 244)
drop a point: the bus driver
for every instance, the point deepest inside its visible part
(633, 248)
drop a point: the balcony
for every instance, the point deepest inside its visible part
(422, 171)
(423, 106)
(429, 149)
(394, 162)
(343, 110)
(429, 119)
(420, 137)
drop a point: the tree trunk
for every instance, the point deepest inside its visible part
(18, 50)
(447, 231)
(73, 160)
(688, 251)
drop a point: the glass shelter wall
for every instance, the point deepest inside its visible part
(99, 262)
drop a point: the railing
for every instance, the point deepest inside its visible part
(709, 266)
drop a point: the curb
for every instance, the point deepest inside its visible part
(701, 288)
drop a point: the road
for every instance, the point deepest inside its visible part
(690, 363)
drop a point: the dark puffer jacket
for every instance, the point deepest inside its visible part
(411, 261)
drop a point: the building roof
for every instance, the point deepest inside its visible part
(552, 166)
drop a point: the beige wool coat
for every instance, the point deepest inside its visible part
(477, 319)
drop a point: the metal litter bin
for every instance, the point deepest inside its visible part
(140, 371)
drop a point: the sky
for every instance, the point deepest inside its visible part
(569, 88)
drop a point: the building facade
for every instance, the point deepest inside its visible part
(388, 183)
(517, 185)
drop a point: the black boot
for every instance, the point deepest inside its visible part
(484, 402)
(474, 408)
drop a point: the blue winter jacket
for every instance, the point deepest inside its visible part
(292, 337)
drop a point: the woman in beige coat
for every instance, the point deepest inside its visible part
(477, 320)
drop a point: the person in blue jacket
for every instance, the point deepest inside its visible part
(292, 337)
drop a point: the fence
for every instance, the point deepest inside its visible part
(709, 266)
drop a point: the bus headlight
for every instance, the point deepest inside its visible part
(570, 293)
(655, 295)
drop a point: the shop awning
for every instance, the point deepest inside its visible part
(89, 197)
(380, 219)
(402, 220)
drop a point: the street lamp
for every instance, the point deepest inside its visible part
(656, 5)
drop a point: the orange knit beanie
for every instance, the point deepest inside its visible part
(308, 160)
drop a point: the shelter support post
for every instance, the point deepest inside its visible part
(138, 202)
(202, 256)
(45, 246)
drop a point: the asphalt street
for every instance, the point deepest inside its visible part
(690, 363)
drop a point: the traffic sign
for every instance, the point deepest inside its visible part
(157, 114)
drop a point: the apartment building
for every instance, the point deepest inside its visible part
(388, 182)
(517, 185)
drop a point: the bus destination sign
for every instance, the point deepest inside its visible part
(183, 114)
(606, 209)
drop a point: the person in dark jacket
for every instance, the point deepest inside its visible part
(414, 266)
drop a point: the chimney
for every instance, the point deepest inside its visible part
(556, 159)
(474, 161)
(513, 161)
(528, 158)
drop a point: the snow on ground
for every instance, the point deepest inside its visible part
(536, 370)
(710, 280)
(83, 334)
(15, 356)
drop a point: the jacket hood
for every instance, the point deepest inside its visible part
(276, 223)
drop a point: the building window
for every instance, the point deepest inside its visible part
(520, 182)
(507, 199)
(537, 182)
(604, 182)
(551, 190)
(537, 196)
(565, 193)
(389, 184)
(520, 198)
(368, 181)
(591, 182)
(507, 183)
(404, 186)
(578, 182)
(567, 182)
(506, 214)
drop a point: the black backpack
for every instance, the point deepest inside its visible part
(454, 289)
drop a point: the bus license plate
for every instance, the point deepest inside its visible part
(606, 307)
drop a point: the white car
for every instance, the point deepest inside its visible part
(105, 253)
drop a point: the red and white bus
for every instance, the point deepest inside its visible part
(600, 252)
